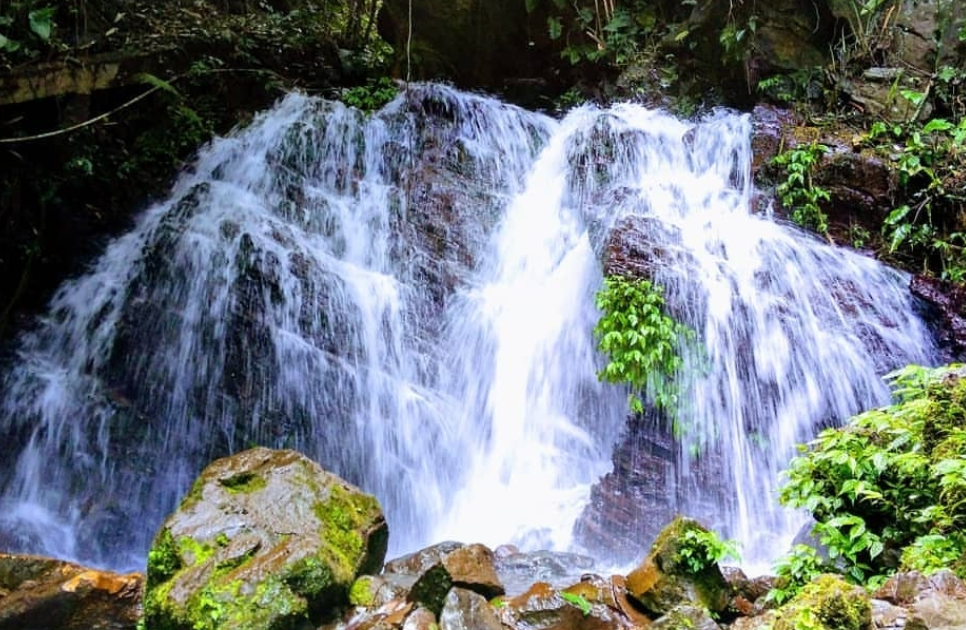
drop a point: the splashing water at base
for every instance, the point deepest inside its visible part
(409, 299)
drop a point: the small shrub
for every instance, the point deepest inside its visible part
(700, 550)
(372, 96)
(793, 571)
(891, 485)
(798, 192)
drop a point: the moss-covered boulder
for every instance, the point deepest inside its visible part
(666, 579)
(265, 539)
(826, 603)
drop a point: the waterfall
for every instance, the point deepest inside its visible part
(408, 298)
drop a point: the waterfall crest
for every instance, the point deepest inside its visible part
(408, 299)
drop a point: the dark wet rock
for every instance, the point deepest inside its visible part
(264, 538)
(631, 504)
(45, 594)
(769, 126)
(948, 300)
(747, 594)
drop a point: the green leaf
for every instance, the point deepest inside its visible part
(554, 27)
(41, 22)
(8, 45)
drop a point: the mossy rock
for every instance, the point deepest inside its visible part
(826, 603)
(265, 539)
(664, 580)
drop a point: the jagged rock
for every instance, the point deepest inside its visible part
(903, 589)
(630, 505)
(439, 568)
(466, 610)
(45, 594)
(542, 607)
(664, 580)
(885, 616)
(934, 602)
(747, 594)
(826, 603)
(264, 538)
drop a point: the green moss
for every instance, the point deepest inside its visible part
(340, 517)
(163, 558)
(246, 482)
(826, 603)
(192, 552)
(361, 592)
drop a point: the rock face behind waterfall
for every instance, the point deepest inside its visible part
(264, 538)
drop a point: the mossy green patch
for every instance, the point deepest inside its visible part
(361, 592)
(244, 482)
(826, 603)
(340, 518)
(163, 558)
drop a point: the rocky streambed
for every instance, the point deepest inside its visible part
(266, 539)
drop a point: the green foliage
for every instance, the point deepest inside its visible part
(700, 550)
(892, 483)
(640, 340)
(599, 32)
(798, 192)
(25, 27)
(372, 96)
(793, 571)
(929, 160)
(577, 600)
(734, 37)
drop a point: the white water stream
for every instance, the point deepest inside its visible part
(408, 299)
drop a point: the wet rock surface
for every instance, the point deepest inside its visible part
(44, 594)
(265, 538)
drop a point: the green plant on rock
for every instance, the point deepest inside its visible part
(700, 550)
(372, 96)
(929, 160)
(577, 600)
(798, 191)
(888, 490)
(640, 340)
(793, 571)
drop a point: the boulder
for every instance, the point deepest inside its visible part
(629, 506)
(466, 610)
(826, 603)
(265, 539)
(543, 607)
(933, 602)
(439, 568)
(44, 594)
(665, 580)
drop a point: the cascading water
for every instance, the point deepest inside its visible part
(408, 299)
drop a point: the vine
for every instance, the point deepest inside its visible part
(640, 340)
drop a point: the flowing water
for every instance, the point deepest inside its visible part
(408, 299)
